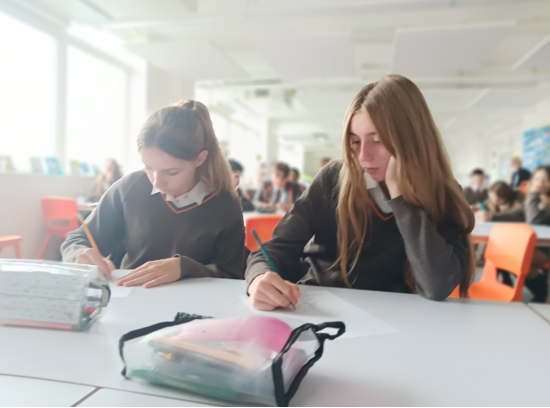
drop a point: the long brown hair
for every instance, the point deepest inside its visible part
(507, 193)
(184, 130)
(407, 130)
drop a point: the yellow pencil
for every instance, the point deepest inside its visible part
(88, 233)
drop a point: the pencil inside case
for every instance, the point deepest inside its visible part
(249, 360)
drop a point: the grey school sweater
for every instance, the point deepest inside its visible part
(304, 245)
(208, 238)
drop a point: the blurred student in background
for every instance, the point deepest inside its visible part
(110, 172)
(502, 205)
(237, 172)
(520, 175)
(279, 193)
(324, 161)
(476, 193)
(295, 178)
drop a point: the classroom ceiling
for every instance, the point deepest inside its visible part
(481, 64)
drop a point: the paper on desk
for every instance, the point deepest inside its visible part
(322, 306)
(119, 291)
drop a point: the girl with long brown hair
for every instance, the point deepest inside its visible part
(389, 216)
(179, 217)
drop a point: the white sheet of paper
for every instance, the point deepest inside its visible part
(322, 306)
(119, 291)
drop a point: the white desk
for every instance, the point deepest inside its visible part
(542, 309)
(30, 392)
(482, 230)
(457, 352)
(112, 398)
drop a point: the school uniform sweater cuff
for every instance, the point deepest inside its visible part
(396, 202)
(75, 250)
(253, 274)
(189, 268)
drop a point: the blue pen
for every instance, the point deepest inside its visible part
(482, 207)
(264, 251)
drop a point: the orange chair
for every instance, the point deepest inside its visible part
(11, 241)
(60, 218)
(524, 187)
(264, 226)
(510, 248)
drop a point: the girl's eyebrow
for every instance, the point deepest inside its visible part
(368, 134)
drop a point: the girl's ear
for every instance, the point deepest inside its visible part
(201, 158)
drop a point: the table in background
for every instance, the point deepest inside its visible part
(28, 392)
(482, 230)
(457, 352)
(247, 214)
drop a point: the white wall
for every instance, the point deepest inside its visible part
(470, 153)
(313, 158)
(539, 118)
(165, 89)
(162, 89)
(20, 208)
(292, 155)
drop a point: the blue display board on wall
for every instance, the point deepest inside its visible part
(536, 148)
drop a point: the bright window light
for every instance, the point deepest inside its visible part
(96, 109)
(27, 92)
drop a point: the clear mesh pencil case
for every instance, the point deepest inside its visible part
(246, 360)
(51, 294)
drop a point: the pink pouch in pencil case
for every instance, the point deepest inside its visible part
(249, 360)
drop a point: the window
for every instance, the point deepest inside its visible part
(96, 109)
(220, 125)
(28, 92)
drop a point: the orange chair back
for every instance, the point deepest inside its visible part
(510, 248)
(264, 226)
(524, 187)
(60, 215)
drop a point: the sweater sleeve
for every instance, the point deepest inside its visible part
(515, 215)
(230, 252)
(293, 233)
(106, 224)
(438, 262)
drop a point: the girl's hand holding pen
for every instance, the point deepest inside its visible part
(269, 291)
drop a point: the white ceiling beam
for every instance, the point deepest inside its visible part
(446, 49)
(536, 57)
(300, 12)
